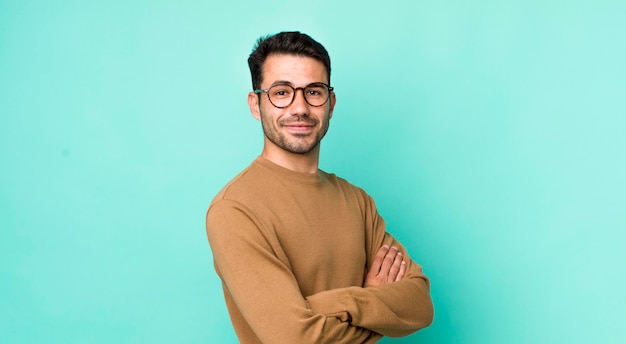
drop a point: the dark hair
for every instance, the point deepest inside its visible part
(294, 43)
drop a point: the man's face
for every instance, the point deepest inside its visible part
(299, 127)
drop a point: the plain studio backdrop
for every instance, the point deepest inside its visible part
(490, 133)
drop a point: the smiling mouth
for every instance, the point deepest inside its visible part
(295, 127)
(298, 124)
(299, 128)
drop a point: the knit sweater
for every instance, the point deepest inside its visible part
(292, 250)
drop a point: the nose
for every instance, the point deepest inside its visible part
(299, 106)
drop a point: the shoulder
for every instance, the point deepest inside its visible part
(347, 187)
(242, 186)
(235, 201)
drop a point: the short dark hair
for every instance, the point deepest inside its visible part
(294, 43)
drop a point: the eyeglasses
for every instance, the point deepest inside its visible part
(282, 95)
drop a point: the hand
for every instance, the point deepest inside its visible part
(388, 266)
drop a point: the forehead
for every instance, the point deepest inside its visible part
(299, 70)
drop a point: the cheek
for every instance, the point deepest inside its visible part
(269, 115)
(326, 115)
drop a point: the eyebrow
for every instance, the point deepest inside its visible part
(285, 82)
(282, 82)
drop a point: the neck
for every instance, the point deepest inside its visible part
(304, 163)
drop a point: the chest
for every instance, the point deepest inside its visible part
(322, 240)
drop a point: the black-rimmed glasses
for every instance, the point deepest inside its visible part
(282, 95)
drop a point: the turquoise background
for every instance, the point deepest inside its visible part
(490, 133)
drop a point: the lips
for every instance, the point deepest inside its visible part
(298, 124)
(299, 128)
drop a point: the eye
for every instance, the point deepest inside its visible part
(281, 91)
(315, 91)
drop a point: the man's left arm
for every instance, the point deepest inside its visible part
(394, 309)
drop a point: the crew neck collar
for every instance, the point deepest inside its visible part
(301, 177)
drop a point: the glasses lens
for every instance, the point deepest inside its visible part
(281, 95)
(316, 94)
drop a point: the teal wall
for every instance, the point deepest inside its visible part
(490, 133)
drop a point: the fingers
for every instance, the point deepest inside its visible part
(388, 266)
(388, 261)
(379, 258)
(394, 269)
(391, 265)
(401, 271)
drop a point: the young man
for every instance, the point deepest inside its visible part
(303, 255)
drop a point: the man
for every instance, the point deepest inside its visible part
(303, 255)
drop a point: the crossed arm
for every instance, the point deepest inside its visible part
(393, 299)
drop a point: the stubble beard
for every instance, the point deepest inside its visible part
(294, 143)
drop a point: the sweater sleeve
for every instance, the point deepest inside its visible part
(396, 309)
(263, 287)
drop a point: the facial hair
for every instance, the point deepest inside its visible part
(294, 143)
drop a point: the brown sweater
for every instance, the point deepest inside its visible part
(292, 248)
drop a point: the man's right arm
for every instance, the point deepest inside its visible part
(263, 287)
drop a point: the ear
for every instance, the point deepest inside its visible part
(333, 100)
(253, 103)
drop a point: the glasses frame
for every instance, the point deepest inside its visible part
(295, 90)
